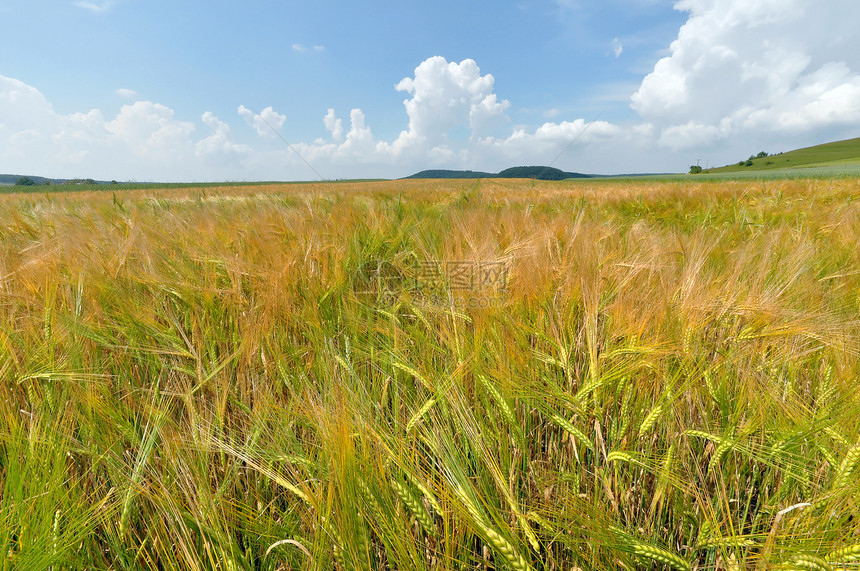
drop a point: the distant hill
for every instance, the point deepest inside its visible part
(441, 173)
(11, 179)
(838, 153)
(539, 173)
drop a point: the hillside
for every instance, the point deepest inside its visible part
(10, 179)
(535, 172)
(829, 154)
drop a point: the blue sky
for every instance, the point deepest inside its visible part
(157, 90)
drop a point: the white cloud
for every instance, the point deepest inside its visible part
(23, 107)
(689, 135)
(748, 67)
(143, 141)
(264, 121)
(94, 7)
(126, 93)
(446, 96)
(150, 131)
(553, 141)
(218, 147)
(301, 48)
(358, 151)
(617, 48)
(335, 125)
(360, 143)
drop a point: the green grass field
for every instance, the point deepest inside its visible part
(830, 172)
(432, 375)
(839, 155)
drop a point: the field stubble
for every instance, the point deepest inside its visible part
(270, 377)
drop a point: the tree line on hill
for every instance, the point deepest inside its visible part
(18, 180)
(697, 169)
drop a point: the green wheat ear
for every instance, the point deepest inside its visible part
(844, 554)
(431, 498)
(415, 506)
(649, 551)
(651, 419)
(726, 446)
(659, 555)
(505, 408)
(416, 418)
(622, 456)
(847, 468)
(810, 562)
(499, 543)
(570, 428)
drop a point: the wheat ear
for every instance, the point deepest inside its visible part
(847, 468)
(659, 555)
(844, 554)
(577, 433)
(811, 562)
(415, 506)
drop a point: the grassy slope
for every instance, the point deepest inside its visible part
(834, 171)
(838, 153)
(229, 379)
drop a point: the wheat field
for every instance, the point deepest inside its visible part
(432, 375)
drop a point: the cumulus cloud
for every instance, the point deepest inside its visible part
(549, 141)
(149, 130)
(334, 125)
(23, 107)
(219, 147)
(743, 66)
(446, 95)
(359, 140)
(357, 148)
(264, 121)
(617, 48)
(144, 140)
